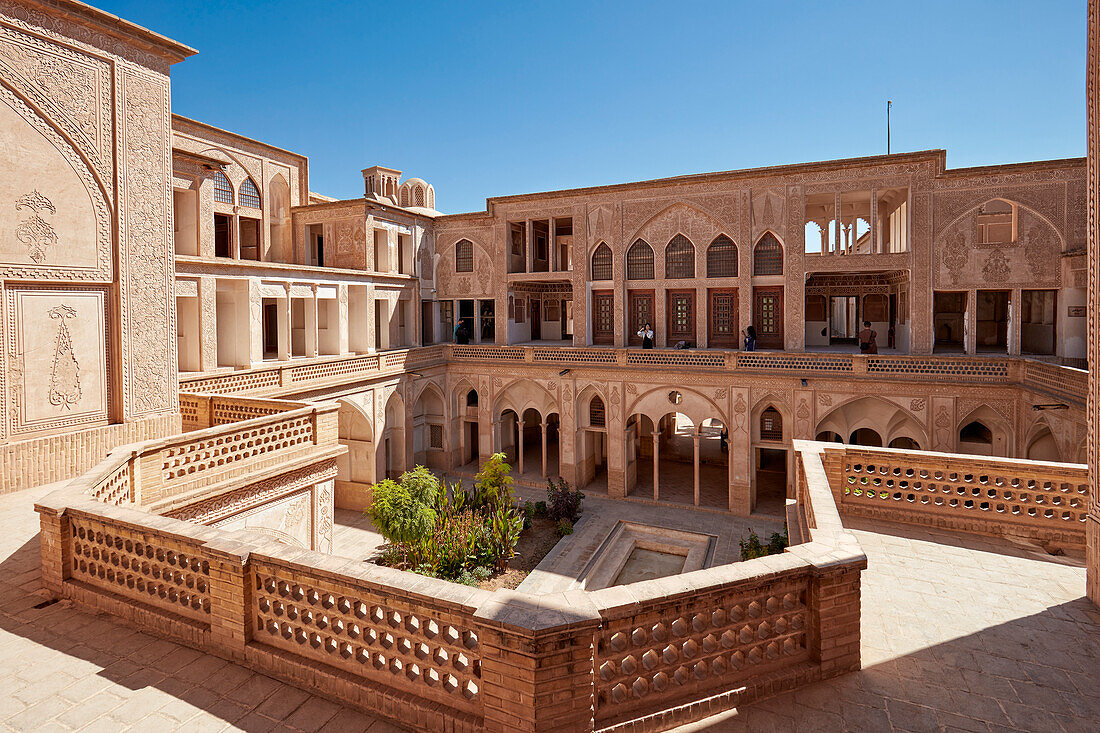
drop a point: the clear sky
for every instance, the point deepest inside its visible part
(487, 99)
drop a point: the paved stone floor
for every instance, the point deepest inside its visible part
(959, 634)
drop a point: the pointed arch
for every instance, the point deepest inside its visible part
(639, 261)
(722, 257)
(249, 194)
(767, 255)
(601, 262)
(679, 258)
(223, 188)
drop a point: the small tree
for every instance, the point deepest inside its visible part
(493, 483)
(404, 512)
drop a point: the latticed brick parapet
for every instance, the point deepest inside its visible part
(432, 654)
(1045, 502)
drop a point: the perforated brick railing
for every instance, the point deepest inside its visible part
(1039, 500)
(1059, 381)
(670, 650)
(965, 369)
(405, 641)
(163, 573)
(839, 363)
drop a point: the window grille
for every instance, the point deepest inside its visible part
(250, 196)
(223, 189)
(601, 262)
(597, 417)
(771, 424)
(639, 261)
(418, 196)
(680, 258)
(767, 257)
(464, 256)
(435, 433)
(722, 257)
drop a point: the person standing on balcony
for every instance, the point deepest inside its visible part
(646, 333)
(868, 339)
(749, 335)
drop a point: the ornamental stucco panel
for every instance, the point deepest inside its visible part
(57, 361)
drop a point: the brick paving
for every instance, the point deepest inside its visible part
(959, 634)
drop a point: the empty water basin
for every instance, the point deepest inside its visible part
(643, 564)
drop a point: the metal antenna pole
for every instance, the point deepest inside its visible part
(888, 103)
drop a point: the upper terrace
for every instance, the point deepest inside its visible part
(655, 653)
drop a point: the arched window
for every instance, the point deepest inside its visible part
(250, 195)
(771, 424)
(464, 256)
(601, 262)
(597, 417)
(767, 256)
(405, 196)
(471, 398)
(223, 189)
(639, 261)
(680, 258)
(976, 432)
(418, 196)
(722, 257)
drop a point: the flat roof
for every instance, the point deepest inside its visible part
(165, 46)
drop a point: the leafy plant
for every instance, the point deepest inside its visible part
(564, 527)
(540, 508)
(563, 502)
(493, 483)
(404, 512)
(753, 547)
(506, 526)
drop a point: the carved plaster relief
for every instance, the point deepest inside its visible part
(57, 365)
(50, 225)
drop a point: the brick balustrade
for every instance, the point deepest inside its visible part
(1058, 382)
(432, 654)
(1036, 500)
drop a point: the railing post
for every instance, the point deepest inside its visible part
(528, 355)
(56, 548)
(834, 612)
(230, 598)
(538, 662)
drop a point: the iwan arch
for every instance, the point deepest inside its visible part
(214, 359)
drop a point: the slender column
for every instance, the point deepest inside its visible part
(656, 465)
(235, 236)
(543, 427)
(519, 446)
(529, 251)
(695, 439)
(873, 222)
(461, 440)
(551, 245)
(837, 233)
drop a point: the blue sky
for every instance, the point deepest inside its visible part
(486, 99)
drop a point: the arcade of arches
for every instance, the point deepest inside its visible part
(719, 446)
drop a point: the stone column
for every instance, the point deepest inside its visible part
(519, 445)
(342, 314)
(695, 453)
(656, 465)
(1015, 313)
(837, 233)
(208, 323)
(740, 452)
(872, 221)
(542, 427)
(235, 235)
(254, 335)
(971, 319)
(311, 324)
(529, 247)
(286, 326)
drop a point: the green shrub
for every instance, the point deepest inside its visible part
(404, 512)
(564, 527)
(493, 484)
(505, 528)
(564, 502)
(482, 573)
(528, 514)
(540, 508)
(753, 547)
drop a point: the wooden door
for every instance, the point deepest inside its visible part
(767, 316)
(603, 317)
(722, 328)
(641, 312)
(680, 317)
